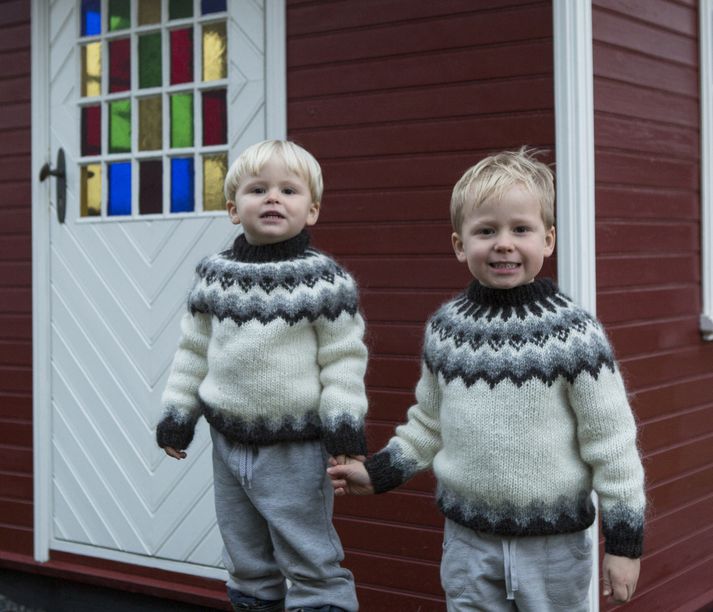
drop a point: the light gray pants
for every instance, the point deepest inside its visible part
(531, 574)
(274, 507)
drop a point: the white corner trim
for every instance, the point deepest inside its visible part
(41, 363)
(275, 70)
(574, 150)
(706, 71)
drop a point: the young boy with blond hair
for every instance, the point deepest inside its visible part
(521, 412)
(272, 355)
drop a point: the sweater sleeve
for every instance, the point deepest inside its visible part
(416, 442)
(342, 358)
(180, 401)
(607, 438)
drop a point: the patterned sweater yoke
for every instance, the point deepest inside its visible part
(271, 350)
(521, 412)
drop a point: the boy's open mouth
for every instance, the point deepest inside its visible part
(272, 214)
(505, 265)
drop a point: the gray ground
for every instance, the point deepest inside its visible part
(9, 606)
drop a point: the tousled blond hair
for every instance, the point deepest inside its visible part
(297, 160)
(494, 175)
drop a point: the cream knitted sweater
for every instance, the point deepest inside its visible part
(271, 350)
(521, 411)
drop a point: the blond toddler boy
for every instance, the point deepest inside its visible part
(521, 412)
(272, 355)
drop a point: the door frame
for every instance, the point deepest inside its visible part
(275, 127)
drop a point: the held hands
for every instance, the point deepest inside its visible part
(620, 575)
(349, 476)
(172, 452)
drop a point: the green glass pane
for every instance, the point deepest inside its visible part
(149, 12)
(180, 9)
(119, 14)
(120, 126)
(181, 120)
(150, 60)
(150, 124)
(214, 169)
(91, 190)
(214, 52)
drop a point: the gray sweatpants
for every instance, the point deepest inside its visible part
(531, 574)
(274, 507)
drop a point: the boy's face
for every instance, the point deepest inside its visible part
(504, 241)
(273, 205)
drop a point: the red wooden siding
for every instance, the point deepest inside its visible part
(15, 281)
(396, 98)
(646, 100)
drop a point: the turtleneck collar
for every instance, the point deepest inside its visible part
(279, 251)
(538, 290)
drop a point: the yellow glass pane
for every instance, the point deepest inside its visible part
(91, 69)
(150, 124)
(214, 169)
(214, 52)
(91, 191)
(149, 11)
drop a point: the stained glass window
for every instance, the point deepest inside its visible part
(119, 188)
(153, 111)
(91, 17)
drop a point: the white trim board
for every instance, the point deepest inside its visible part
(41, 333)
(574, 150)
(705, 8)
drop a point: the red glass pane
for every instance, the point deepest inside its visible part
(119, 65)
(181, 56)
(91, 130)
(151, 187)
(215, 118)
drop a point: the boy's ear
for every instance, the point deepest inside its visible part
(458, 247)
(233, 212)
(550, 239)
(313, 214)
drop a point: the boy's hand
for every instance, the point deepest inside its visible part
(350, 478)
(343, 459)
(620, 575)
(172, 452)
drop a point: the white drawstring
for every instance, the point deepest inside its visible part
(246, 458)
(510, 566)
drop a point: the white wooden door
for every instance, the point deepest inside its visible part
(122, 262)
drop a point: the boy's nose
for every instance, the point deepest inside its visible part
(273, 195)
(503, 243)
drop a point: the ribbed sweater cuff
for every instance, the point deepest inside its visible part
(384, 475)
(624, 542)
(175, 431)
(345, 438)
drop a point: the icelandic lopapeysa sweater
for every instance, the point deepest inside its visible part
(271, 350)
(521, 411)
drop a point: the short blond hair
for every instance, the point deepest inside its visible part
(495, 174)
(297, 160)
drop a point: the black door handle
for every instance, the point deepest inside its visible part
(60, 173)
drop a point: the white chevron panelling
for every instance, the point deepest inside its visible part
(118, 289)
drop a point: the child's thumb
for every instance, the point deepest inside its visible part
(607, 583)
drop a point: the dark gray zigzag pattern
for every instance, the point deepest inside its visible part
(537, 518)
(307, 270)
(623, 529)
(229, 290)
(523, 349)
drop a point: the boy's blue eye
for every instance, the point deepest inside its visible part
(484, 231)
(288, 191)
(522, 229)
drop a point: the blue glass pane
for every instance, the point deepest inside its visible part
(182, 185)
(120, 188)
(212, 6)
(91, 17)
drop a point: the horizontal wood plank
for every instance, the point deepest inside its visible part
(524, 23)
(421, 69)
